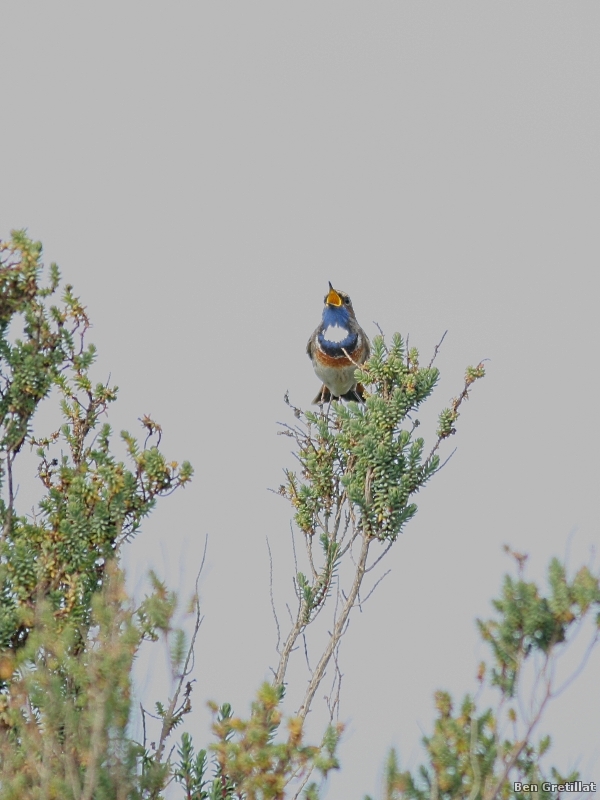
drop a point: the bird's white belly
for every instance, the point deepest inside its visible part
(337, 380)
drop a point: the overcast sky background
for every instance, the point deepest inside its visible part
(201, 170)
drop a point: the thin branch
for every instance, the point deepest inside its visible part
(378, 559)
(172, 711)
(518, 749)
(338, 630)
(336, 685)
(436, 350)
(306, 652)
(341, 499)
(294, 549)
(376, 585)
(309, 550)
(581, 667)
(304, 782)
(144, 740)
(350, 542)
(271, 595)
(445, 461)
(288, 647)
(349, 357)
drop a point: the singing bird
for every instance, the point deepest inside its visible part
(336, 348)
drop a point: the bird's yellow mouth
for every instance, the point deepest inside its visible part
(333, 298)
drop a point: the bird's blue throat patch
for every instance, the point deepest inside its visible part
(335, 334)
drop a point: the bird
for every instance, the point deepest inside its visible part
(336, 348)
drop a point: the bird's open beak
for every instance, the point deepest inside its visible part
(333, 298)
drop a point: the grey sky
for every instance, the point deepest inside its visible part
(201, 170)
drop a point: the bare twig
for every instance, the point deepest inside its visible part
(377, 582)
(336, 685)
(518, 748)
(580, 667)
(174, 708)
(349, 357)
(294, 550)
(271, 595)
(306, 652)
(304, 782)
(436, 350)
(11, 496)
(338, 630)
(144, 740)
(290, 642)
(309, 550)
(378, 559)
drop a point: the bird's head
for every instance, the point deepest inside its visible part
(338, 307)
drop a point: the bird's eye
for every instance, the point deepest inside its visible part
(347, 301)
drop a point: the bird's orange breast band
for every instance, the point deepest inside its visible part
(339, 361)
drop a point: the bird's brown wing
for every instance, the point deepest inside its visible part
(367, 350)
(309, 344)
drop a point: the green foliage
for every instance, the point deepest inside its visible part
(530, 622)
(66, 707)
(258, 765)
(251, 763)
(314, 595)
(481, 755)
(191, 770)
(29, 364)
(361, 466)
(92, 502)
(368, 454)
(63, 723)
(68, 633)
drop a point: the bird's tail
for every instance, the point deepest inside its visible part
(356, 395)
